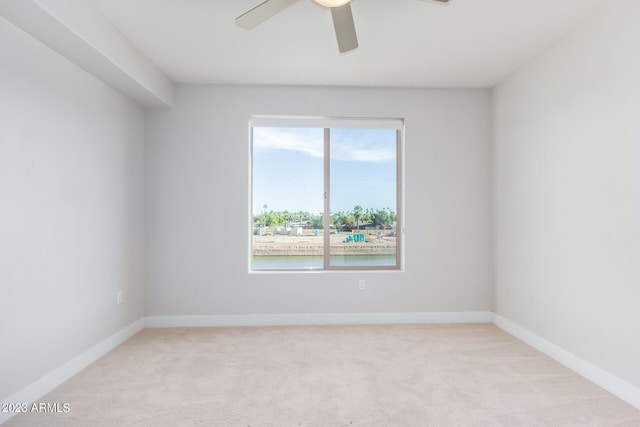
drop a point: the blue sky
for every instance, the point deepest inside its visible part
(288, 169)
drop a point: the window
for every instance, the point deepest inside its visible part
(326, 194)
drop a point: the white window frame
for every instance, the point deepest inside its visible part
(326, 123)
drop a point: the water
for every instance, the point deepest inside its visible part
(316, 262)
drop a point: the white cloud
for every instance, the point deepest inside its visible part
(363, 146)
(359, 148)
(365, 152)
(307, 141)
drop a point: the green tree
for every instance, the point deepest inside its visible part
(357, 215)
(384, 218)
(273, 219)
(302, 216)
(287, 217)
(348, 224)
(317, 222)
(381, 218)
(338, 220)
(368, 215)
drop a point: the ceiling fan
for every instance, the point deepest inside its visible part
(340, 12)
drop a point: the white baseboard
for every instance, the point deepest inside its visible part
(317, 319)
(53, 379)
(614, 385)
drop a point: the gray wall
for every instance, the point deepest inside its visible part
(567, 193)
(198, 170)
(71, 210)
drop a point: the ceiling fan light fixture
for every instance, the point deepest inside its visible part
(332, 3)
(340, 14)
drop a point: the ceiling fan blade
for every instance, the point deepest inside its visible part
(345, 28)
(262, 12)
(439, 1)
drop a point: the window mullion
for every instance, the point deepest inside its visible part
(399, 200)
(327, 211)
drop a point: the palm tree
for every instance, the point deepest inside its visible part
(357, 214)
(287, 218)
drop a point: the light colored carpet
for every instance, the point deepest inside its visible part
(400, 375)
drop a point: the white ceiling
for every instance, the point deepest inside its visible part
(403, 43)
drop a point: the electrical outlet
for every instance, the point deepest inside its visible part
(361, 285)
(119, 297)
